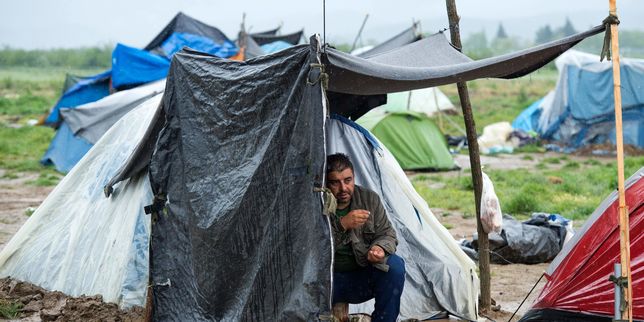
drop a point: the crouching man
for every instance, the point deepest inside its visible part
(365, 265)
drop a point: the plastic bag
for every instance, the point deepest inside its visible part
(491, 215)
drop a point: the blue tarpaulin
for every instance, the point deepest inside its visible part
(65, 149)
(87, 90)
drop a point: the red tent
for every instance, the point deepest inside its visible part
(578, 288)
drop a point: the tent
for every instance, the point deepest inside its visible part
(579, 111)
(578, 288)
(413, 138)
(131, 67)
(235, 158)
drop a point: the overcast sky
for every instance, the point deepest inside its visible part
(31, 24)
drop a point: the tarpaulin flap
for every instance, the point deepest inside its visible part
(293, 38)
(433, 62)
(132, 66)
(90, 121)
(183, 23)
(242, 236)
(86, 90)
(271, 32)
(406, 37)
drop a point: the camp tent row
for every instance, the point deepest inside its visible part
(132, 68)
(230, 164)
(579, 111)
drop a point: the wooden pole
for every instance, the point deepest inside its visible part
(485, 299)
(624, 238)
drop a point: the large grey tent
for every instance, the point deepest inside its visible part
(235, 159)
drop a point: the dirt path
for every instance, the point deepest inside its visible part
(18, 199)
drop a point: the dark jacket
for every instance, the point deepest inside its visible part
(376, 231)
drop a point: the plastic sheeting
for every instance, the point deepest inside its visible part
(531, 242)
(183, 23)
(578, 276)
(90, 121)
(242, 235)
(433, 61)
(79, 242)
(440, 277)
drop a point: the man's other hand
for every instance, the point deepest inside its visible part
(376, 254)
(354, 219)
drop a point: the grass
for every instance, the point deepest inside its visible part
(574, 190)
(9, 309)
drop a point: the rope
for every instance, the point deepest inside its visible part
(607, 22)
(526, 297)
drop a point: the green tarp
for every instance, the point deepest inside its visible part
(413, 139)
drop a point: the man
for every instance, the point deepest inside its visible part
(365, 265)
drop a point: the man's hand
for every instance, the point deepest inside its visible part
(354, 219)
(376, 254)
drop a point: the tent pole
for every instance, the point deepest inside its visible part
(624, 238)
(485, 299)
(355, 41)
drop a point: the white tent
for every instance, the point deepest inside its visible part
(427, 100)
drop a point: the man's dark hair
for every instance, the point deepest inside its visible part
(338, 162)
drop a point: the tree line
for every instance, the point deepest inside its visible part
(80, 58)
(477, 45)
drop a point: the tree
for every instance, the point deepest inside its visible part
(568, 29)
(500, 33)
(544, 35)
(476, 46)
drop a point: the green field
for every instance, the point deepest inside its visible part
(554, 185)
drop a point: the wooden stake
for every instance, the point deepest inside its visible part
(624, 238)
(485, 300)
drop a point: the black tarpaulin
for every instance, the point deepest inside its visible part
(405, 37)
(242, 236)
(186, 24)
(293, 38)
(433, 62)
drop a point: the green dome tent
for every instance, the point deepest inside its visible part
(413, 138)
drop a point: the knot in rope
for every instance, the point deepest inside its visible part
(606, 52)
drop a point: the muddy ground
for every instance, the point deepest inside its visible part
(510, 283)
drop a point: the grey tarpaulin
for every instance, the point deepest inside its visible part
(432, 62)
(90, 121)
(243, 236)
(408, 36)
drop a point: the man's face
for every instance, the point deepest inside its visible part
(341, 185)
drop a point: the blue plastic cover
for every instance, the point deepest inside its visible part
(87, 90)
(178, 40)
(528, 120)
(593, 92)
(275, 46)
(132, 66)
(65, 150)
